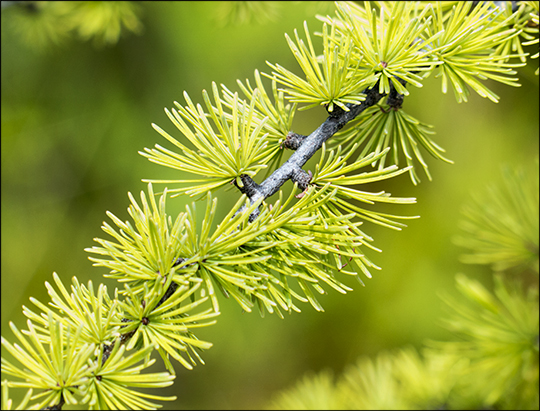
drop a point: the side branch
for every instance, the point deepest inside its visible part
(306, 147)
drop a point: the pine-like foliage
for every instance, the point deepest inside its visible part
(510, 242)
(493, 361)
(43, 24)
(278, 252)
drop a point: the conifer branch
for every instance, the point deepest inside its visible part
(107, 349)
(368, 54)
(306, 146)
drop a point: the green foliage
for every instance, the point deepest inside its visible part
(468, 49)
(310, 240)
(60, 371)
(234, 147)
(328, 80)
(63, 361)
(245, 12)
(501, 224)
(89, 348)
(493, 361)
(145, 250)
(402, 379)
(279, 114)
(382, 126)
(370, 385)
(235, 257)
(499, 336)
(314, 391)
(111, 382)
(81, 307)
(521, 19)
(7, 402)
(531, 28)
(46, 23)
(70, 370)
(166, 326)
(102, 21)
(40, 24)
(335, 171)
(391, 45)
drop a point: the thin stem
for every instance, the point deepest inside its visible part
(306, 147)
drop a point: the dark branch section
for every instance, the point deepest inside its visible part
(301, 178)
(57, 406)
(170, 291)
(107, 349)
(293, 141)
(306, 147)
(249, 187)
(395, 100)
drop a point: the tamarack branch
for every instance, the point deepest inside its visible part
(306, 146)
(255, 250)
(292, 170)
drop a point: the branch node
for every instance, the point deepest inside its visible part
(395, 100)
(337, 111)
(301, 178)
(293, 140)
(250, 187)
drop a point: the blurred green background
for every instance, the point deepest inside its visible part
(75, 116)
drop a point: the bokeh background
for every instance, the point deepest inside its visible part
(74, 117)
